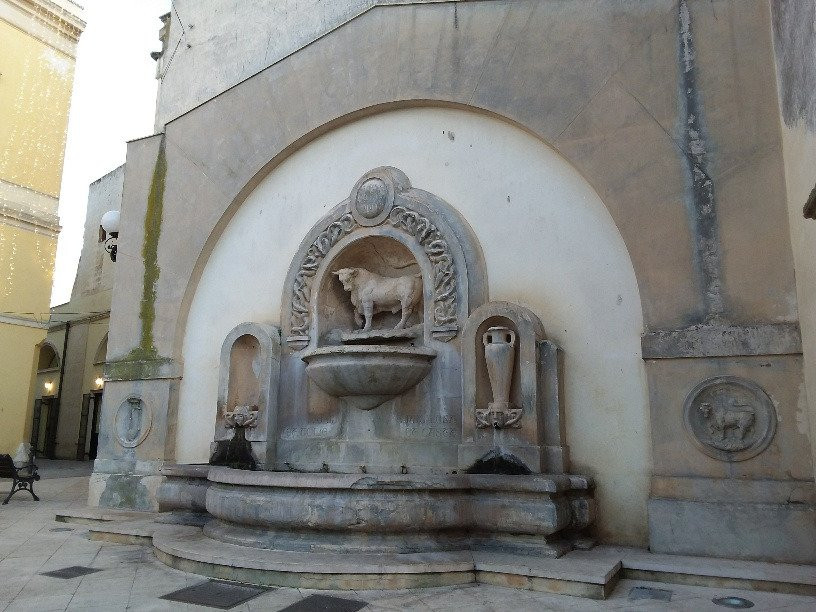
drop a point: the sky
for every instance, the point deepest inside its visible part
(114, 101)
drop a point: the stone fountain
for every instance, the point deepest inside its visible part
(396, 412)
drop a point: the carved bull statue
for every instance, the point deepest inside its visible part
(372, 293)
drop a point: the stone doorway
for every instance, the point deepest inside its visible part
(88, 441)
(44, 426)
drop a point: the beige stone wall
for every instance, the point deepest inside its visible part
(669, 112)
(794, 43)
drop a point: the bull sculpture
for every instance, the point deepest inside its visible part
(372, 294)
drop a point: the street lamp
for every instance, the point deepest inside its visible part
(109, 225)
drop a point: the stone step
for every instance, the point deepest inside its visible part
(188, 549)
(584, 573)
(93, 516)
(709, 571)
(579, 575)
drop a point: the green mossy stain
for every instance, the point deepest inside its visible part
(125, 491)
(150, 252)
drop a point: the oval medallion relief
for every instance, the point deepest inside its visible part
(372, 198)
(730, 418)
(132, 422)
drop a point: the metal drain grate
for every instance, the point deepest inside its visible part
(737, 603)
(215, 594)
(640, 592)
(325, 603)
(60, 529)
(75, 571)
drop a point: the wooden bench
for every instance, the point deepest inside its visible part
(23, 477)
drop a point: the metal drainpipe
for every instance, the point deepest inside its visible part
(61, 378)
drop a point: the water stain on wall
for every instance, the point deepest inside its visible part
(794, 26)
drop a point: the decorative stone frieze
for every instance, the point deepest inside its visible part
(302, 289)
(729, 418)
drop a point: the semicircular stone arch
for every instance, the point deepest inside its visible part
(548, 241)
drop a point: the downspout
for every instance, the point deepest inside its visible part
(61, 378)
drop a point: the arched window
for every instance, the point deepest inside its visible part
(101, 351)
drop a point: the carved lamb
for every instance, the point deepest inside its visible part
(720, 419)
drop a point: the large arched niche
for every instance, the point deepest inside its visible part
(549, 244)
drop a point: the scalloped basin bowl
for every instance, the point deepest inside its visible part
(368, 376)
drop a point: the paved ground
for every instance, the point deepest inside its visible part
(31, 543)
(51, 468)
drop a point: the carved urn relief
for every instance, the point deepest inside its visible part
(500, 354)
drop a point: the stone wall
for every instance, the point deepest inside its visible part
(669, 111)
(202, 40)
(569, 265)
(795, 53)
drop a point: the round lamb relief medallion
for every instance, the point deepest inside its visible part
(730, 418)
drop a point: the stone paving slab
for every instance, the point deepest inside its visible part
(131, 578)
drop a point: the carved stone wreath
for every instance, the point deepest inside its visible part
(438, 251)
(412, 223)
(302, 288)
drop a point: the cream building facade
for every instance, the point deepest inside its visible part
(38, 40)
(77, 336)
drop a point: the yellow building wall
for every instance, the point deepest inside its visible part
(26, 271)
(36, 84)
(17, 365)
(35, 97)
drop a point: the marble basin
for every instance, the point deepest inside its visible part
(367, 376)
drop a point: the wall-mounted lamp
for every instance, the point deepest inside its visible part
(49, 387)
(109, 226)
(99, 382)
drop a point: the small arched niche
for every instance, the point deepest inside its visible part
(249, 372)
(244, 384)
(381, 255)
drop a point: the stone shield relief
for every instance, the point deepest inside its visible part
(729, 418)
(132, 422)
